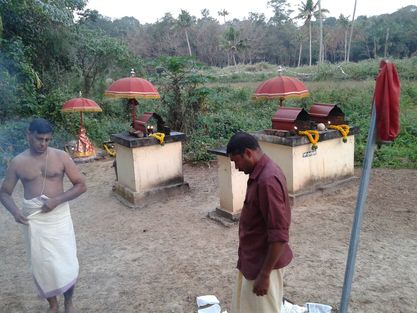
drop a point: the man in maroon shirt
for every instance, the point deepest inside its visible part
(263, 229)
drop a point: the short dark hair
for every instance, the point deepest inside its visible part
(41, 126)
(240, 142)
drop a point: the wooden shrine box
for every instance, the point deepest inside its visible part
(150, 122)
(291, 119)
(327, 113)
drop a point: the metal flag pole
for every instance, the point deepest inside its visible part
(360, 203)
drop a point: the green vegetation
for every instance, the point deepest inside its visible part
(47, 56)
(210, 115)
(230, 109)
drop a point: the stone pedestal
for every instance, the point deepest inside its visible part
(146, 169)
(232, 186)
(306, 170)
(304, 167)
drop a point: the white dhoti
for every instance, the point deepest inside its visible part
(51, 247)
(245, 301)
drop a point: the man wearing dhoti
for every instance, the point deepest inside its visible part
(45, 213)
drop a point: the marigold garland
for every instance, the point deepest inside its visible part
(343, 129)
(159, 136)
(313, 136)
(110, 151)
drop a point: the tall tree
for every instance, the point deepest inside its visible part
(185, 20)
(223, 13)
(306, 12)
(207, 33)
(321, 54)
(300, 38)
(97, 55)
(205, 13)
(232, 43)
(281, 10)
(351, 31)
(343, 22)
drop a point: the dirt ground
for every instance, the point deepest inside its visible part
(159, 258)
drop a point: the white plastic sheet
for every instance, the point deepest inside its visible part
(215, 308)
(318, 308)
(289, 307)
(206, 300)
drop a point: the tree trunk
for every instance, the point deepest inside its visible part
(351, 32)
(188, 43)
(368, 51)
(299, 54)
(234, 58)
(386, 44)
(309, 32)
(346, 41)
(321, 35)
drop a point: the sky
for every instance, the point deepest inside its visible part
(151, 11)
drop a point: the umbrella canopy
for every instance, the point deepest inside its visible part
(281, 87)
(80, 105)
(132, 88)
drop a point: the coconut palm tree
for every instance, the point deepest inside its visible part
(308, 10)
(184, 21)
(351, 31)
(223, 13)
(343, 21)
(232, 43)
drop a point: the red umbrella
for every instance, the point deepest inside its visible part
(387, 102)
(84, 146)
(80, 105)
(281, 87)
(132, 88)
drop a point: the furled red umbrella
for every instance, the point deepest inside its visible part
(384, 126)
(281, 87)
(387, 102)
(84, 147)
(132, 88)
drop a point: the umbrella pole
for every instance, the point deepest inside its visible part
(81, 119)
(132, 104)
(357, 221)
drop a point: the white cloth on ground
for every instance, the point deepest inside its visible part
(51, 246)
(318, 308)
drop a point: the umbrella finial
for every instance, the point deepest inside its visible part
(80, 94)
(132, 73)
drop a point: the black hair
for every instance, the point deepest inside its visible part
(240, 142)
(41, 126)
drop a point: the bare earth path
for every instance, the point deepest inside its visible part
(159, 258)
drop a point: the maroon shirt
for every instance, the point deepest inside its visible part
(265, 218)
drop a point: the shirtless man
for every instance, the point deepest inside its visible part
(41, 170)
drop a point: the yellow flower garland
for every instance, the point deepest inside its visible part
(159, 136)
(343, 129)
(313, 136)
(110, 151)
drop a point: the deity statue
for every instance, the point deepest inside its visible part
(84, 146)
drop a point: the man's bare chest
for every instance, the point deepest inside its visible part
(36, 170)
